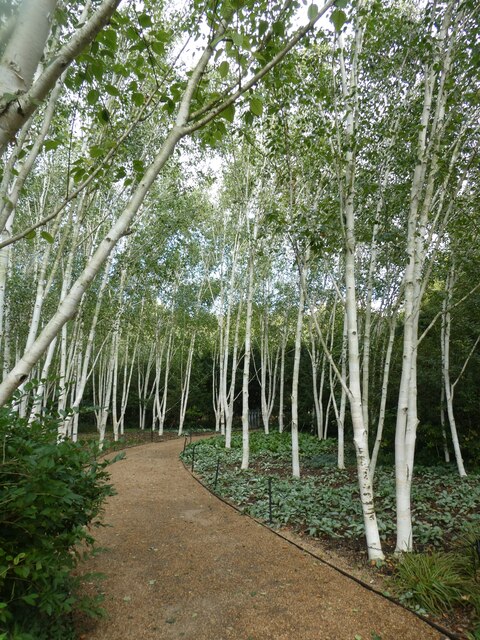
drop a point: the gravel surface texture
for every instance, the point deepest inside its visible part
(179, 563)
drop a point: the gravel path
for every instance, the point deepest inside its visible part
(181, 564)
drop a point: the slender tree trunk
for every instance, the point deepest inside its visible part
(316, 388)
(65, 426)
(302, 267)
(36, 409)
(247, 353)
(360, 434)
(163, 404)
(20, 62)
(449, 388)
(282, 383)
(127, 381)
(105, 397)
(265, 371)
(383, 397)
(343, 400)
(217, 409)
(446, 452)
(421, 195)
(186, 384)
(233, 377)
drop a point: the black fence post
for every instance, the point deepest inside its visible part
(270, 516)
(185, 444)
(216, 475)
(193, 456)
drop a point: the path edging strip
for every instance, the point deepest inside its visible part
(446, 632)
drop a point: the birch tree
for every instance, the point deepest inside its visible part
(190, 117)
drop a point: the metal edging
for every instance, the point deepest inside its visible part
(446, 632)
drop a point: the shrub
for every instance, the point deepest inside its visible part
(49, 495)
(437, 582)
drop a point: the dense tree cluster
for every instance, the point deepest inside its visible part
(211, 215)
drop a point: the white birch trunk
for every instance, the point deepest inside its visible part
(216, 403)
(383, 397)
(316, 388)
(428, 147)
(186, 384)
(64, 428)
(163, 404)
(265, 369)
(302, 266)
(360, 435)
(449, 388)
(233, 376)
(19, 63)
(23, 54)
(248, 349)
(36, 409)
(127, 381)
(281, 391)
(105, 397)
(343, 400)
(69, 306)
(446, 451)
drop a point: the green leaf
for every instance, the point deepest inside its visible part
(109, 38)
(120, 173)
(262, 27)
(120, 69)
(95, 151)
(131, 33)
(158, 47)
(312, 11)
(138, 98)
(51, 144)
(162, 35)
(93, 96)
(256, 106)
(228, 113)
(104, 115)
(341, 4)
(112, 90)
(237, 38)
(223, 69)
(138, 166)
(144, 20)
(47, 236)
(30, 598)
(338, 18)
(97, 68)
(30, 235)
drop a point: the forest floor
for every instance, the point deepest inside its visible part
(179, 563)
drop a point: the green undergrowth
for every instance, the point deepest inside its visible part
(324, 503)
(51, 495)
(439, 581)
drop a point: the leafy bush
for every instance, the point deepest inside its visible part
(49, 495)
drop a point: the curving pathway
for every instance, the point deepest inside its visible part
(181, 564)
